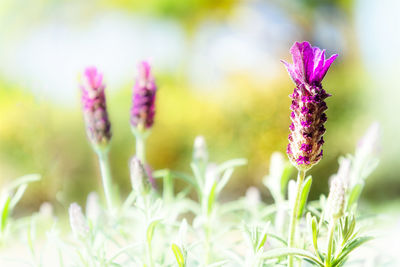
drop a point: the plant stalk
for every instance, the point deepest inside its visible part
(146, 201)
(141, 147)
(106, 177)
(330, 242)
(293, 218)
(150, 254)
(168, 187)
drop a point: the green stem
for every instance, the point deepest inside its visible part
(168, 187)
(148, 220)
(207, 229)
(330, 242)
(150, 255)
(106, 177)
(293, 218)
(208, 245)
(141, 147)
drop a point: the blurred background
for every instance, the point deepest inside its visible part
(217, 66)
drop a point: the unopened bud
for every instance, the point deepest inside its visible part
(344, 171)
(46, 210)
(93, 209)
(200, 152)
(336, 199)
(139, 179)
(77, 221)
(253, 196)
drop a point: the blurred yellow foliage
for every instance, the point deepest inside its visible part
(246, 118)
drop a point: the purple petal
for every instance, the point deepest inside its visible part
(291, 72)
(93, 77)
(144, 69)
(303, 55)
(308, 61)
(297, 57)
(326, 66)
(309, 64)
(319, 59)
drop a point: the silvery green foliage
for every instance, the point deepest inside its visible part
(10, 195)
(363, 162)
(191, 226)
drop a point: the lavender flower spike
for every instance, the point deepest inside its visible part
(144, 94)
(98, 126)
(307, 71)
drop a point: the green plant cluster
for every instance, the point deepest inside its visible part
(166, 227)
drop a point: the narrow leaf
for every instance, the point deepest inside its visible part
(314, 227)
(262, 241)
(23, 180)
(18, 195)
(277, 238)
(231, 164)
(211, 199)
(150, 230)
(355, 194)
(285, 177)
(4, 213)
(178, 255)
(283, 252)
(304, 195)
(179, 175)
(225, 179)
(197, 175)
(355, 243)
(218, 263)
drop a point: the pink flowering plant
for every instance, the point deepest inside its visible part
(163, 226)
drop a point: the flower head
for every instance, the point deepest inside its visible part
(309, 64)
(98, 126)
(143, 100)
(307, 71)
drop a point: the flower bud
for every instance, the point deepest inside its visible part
(139, 179)
(98, 126)
(46, 210)
(308, 118)
(336, 199)
(344, 171)
(143, 100)
(93, 209)
(253, 196)
(77, 221)
(200, 152)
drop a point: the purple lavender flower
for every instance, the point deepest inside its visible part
(307, 71)
(144, 95)
(98, 126)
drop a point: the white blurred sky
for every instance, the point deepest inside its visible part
(43, 51)
(43, 48)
